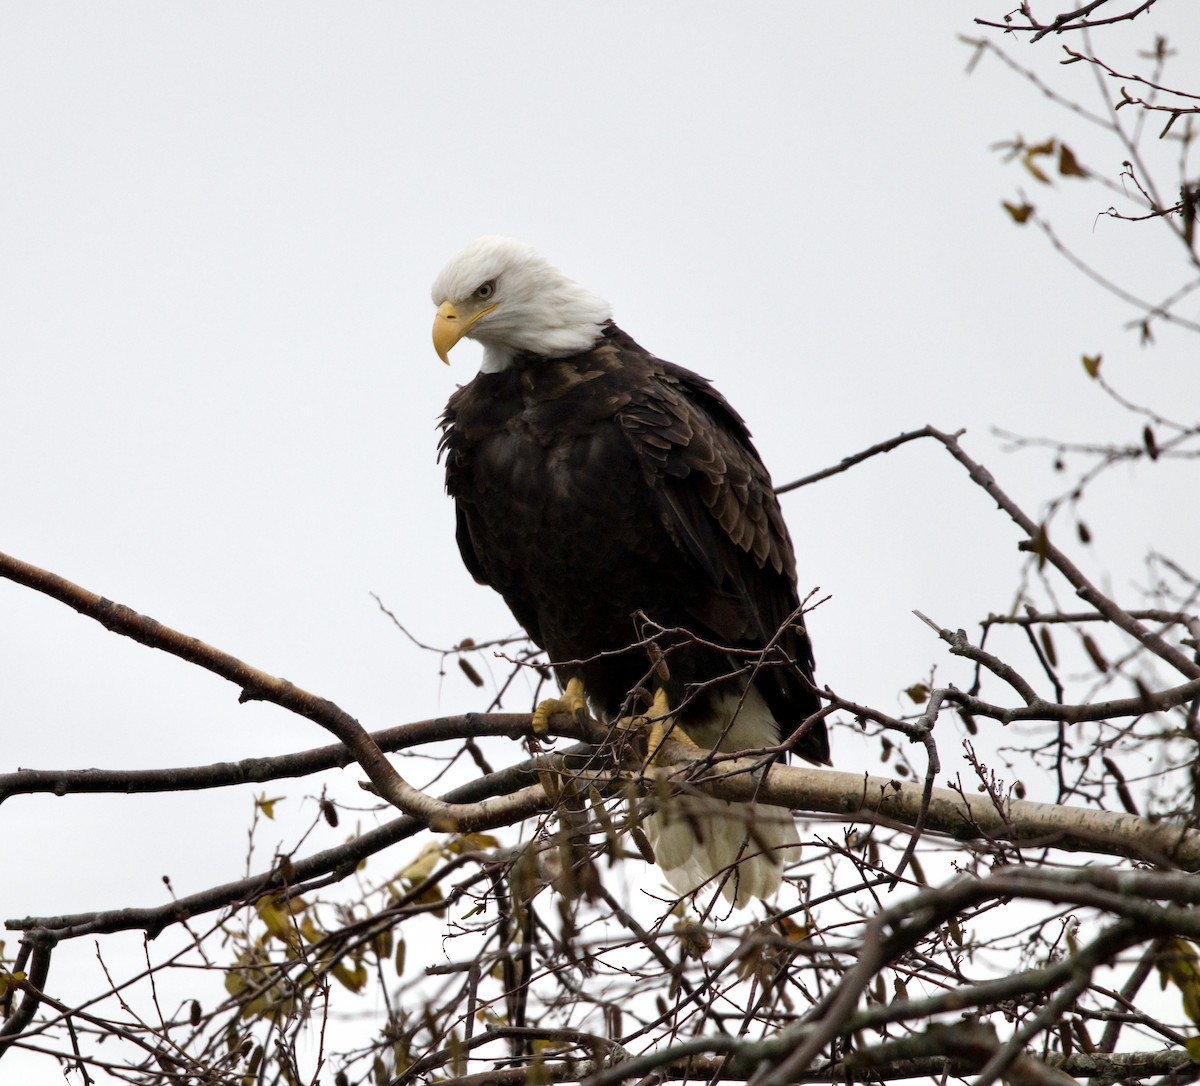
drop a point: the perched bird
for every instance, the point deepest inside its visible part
(613, 500)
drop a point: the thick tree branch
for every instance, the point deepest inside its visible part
(62, 782)
(256, 685)
(520, 797)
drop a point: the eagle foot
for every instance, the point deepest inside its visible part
(660, 725)
(573, 700)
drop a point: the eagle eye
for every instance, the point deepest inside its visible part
(486, 290)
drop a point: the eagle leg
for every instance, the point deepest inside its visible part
(573, 700)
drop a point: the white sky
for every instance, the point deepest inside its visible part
(218, 227)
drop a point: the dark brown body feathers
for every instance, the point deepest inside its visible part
(609, 483)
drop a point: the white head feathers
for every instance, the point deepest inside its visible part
(508, 297)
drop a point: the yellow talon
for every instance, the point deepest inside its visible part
(662, 726)
(573, 700)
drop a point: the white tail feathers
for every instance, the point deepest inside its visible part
(697, 841)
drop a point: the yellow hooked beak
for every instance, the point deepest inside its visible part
(449, 326)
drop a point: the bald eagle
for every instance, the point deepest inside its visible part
(616, 500)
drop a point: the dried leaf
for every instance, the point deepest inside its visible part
(1041, 545)
(918, 693)
(1094, 653)
(1149, 442)
(1091, 363)
(1027, 160)
(642, 843)
(1068, 165)
(918, 872)
(1019, 212)
(1048, 646)
(464, 665)
(693, 939)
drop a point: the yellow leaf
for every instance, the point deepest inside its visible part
(471, 842)
(537, 1073)
(793, 932)
(267, 806)
(1180, 964)
(383, 944)
(10, 981)
(1091, 363)
(401, 951)
(255, 1007)
(432, 896)
(918, 693)
(424, 865)
(541, 1044)
(277, 917)
(355, 979)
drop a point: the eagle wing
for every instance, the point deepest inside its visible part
(715, 499)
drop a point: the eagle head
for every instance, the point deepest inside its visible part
(503, 294)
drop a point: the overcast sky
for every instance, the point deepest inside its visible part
(218, 228)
